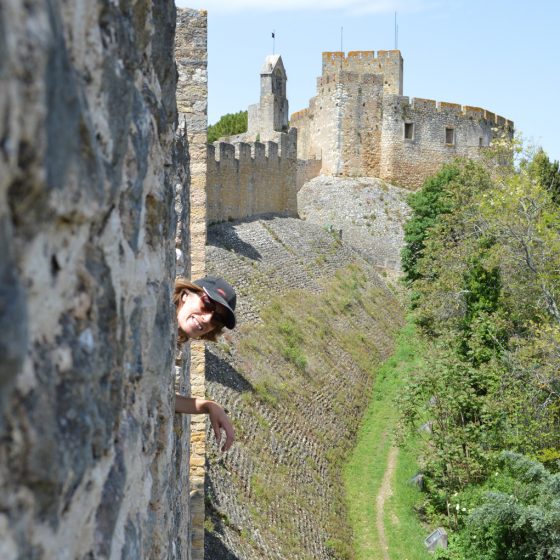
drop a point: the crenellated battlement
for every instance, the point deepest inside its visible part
(250, 178)
(446, 107)
(357, 59)
(386, 64)
(243, 151)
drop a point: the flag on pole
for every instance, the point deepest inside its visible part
(273, 35)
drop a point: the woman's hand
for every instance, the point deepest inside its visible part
(218, 417)
(220, 421)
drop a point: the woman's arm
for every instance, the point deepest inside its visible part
(218, 417)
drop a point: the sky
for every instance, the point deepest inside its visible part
(501, 55)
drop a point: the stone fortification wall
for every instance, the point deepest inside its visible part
(90, 466)
(248, 179)
(366, 213)
(273, 494)
(359, 123)
(407, 161)
(387, 63)
(341, 126)
(192, 103)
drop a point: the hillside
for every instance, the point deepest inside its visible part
(316, 320)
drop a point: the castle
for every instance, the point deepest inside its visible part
(358, 125)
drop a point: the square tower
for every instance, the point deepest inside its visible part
(271, 113)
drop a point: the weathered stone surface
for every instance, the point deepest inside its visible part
(192, 96)
(368, 213)
(90, 166)
(251, 178)
(289, 441)
(360, 125)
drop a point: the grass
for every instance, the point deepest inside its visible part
(316, 352)
(365, 470)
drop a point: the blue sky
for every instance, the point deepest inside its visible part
(500, 55)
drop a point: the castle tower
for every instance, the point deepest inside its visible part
(271, 114)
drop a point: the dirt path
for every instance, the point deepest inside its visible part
(385, 491)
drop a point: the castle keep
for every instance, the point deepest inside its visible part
(360, 124)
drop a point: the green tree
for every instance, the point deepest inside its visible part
(487, 296)
(547, 173)
(514, 516)
(427, 204)
(228, 125)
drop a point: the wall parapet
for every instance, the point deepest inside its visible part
(246, 179)
(457, 108)
(332, 58)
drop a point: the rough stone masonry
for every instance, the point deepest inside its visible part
(90, 171)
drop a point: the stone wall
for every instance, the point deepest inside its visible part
(247, 179)
(192, 102)
(359, 124)
(389, 64)
(342, 125)
(366, 213)
(276, 495)
(407, 162)
(90, 466)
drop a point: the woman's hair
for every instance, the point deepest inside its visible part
(183, 286)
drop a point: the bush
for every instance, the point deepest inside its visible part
(519, 514)
(228, 125)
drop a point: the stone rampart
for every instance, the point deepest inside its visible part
(90, 168)
(341, 125)
(387, 63)
(192, 101)
(247, 179)
(359, 123)
(436, 132)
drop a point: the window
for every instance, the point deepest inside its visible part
(408, 130)
(449, 135)
(480, 142)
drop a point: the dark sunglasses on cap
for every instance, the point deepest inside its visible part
(210, 307)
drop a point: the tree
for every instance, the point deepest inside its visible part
(427, 205)
(514, 516)
(486, 280)
(546, 173)
(228, 125)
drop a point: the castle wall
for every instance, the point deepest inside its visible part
(192, 102)
(386, 63)
(407, 162)
(359, 124)
(247, 179)
(341, 126)
(90, 169)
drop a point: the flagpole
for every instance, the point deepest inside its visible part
(273, 40)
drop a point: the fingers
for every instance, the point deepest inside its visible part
(228, 429)
(219, 421)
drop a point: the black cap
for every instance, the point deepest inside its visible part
(221, 292)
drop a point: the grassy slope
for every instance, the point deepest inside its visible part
(310, 364)
(365, 470)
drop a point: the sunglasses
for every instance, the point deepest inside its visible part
(210, 306)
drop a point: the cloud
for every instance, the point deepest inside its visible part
(346, 6)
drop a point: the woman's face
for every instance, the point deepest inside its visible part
(197, 314)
